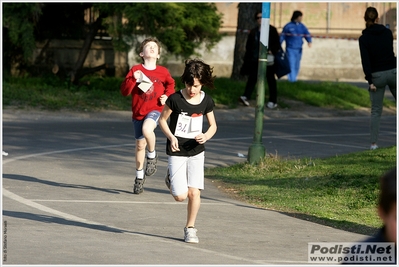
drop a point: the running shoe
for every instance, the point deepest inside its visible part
(151, 166)
(138, 186)
(190, 235)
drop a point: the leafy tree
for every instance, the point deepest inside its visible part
(18, 36)
(180, 27)
(245, 22)
(62, 21)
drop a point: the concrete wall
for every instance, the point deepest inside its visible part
(326, 60)
(337, 18)
(334, 55)
(220, 57)
(332, 60)
(64, 54)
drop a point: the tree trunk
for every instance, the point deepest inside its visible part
(76, 72)
(41, 57)
(245, 22)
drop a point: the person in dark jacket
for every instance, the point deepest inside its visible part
(379, 66)
(387, 210)
(251, 58)
(387, 213)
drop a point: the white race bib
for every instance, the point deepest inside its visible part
(145, 82)
(188, 127)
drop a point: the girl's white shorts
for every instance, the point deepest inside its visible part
(186, 172)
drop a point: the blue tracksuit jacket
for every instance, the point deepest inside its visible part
(293, 34)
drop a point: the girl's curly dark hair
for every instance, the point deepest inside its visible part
(196, 68)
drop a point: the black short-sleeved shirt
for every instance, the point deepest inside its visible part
(178, 104)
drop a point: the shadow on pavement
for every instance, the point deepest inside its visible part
(57, 220)
(51, 183)
(349, 226)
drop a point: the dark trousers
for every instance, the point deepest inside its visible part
(270, 78)
(272, 83)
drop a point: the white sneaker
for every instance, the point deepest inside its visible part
(244, 100)
(372, 147)
(271, 105)
(190, 235)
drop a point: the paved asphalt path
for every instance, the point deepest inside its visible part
(67, 198)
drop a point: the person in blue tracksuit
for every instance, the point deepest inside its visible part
(293, 34)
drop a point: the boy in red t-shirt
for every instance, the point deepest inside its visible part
(150, 85)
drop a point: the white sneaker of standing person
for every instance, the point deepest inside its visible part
(373, 147)
(271, 105)
(244, 100)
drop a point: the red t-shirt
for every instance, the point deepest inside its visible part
(145, 102)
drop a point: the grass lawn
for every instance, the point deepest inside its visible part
(340, 191)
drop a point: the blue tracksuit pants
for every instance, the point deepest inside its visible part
(294, 57)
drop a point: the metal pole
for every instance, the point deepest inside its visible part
(257, 150)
